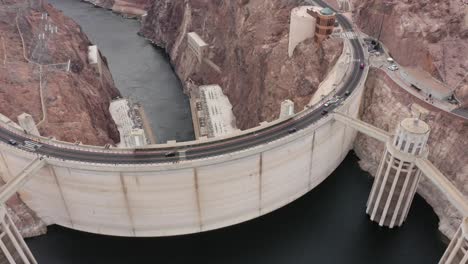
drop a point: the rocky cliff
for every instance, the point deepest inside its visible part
(248, 42)
(430, 34)
(384, 105)
(74, 104)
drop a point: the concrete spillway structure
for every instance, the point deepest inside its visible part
(457, 251)
(302, 27)
(13, 249)
(27, 123)
(397, 177)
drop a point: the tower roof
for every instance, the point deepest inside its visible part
(415, 126)
(326, 11)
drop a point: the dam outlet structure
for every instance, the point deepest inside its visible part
(398, 176)
(457, 251)
(12, 245)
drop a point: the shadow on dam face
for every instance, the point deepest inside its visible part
(328, 225)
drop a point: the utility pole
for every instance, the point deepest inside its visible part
(384, 8)
(381, 26)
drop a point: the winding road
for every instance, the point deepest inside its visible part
(214, 148)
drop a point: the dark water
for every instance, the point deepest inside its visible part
(328, 225)
(140, 71)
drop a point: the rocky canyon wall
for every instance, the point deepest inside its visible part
(76, 103)
(430, 34)
(384, 105)
(248, 41)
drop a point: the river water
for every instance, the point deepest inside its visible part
(328, 225)
(141, 72)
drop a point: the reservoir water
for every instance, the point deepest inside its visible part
(141, 72)
(328, 225)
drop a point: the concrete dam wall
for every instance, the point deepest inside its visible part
(188, 196)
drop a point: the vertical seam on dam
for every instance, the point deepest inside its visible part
(311, 158)
(342, 155)
(6, 165)
(127, 205)
(260, 182)
(59, 186)
(197, 196)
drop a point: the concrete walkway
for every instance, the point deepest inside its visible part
(13, 185)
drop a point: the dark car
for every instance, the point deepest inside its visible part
(347, 93)
(324, 112)
(362, 65)
(292, 130)
(170, 154)
(12, 142)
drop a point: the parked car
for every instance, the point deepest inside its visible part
(12, 142)
(393, 67)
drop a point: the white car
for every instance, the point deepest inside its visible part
(393, 67)
(332, 101)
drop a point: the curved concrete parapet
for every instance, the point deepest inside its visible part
(188, 196)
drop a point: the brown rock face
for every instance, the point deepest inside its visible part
(249, 42)
(385, 105)
(76, 102)
(431, 34)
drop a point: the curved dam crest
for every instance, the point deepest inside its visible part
(191, 195)
(163, 200)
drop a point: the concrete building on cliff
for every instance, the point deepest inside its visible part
(307, 22)
(128, 123)
(212, 112)
(325, 23)
(26, 121)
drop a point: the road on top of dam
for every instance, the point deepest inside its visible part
(197, 151)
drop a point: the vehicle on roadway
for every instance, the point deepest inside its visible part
(170, 154)
(324, 112)
(362, 65)
(292, 130)
(332, 101)
(393, 67)
(12, 142)
(347, 93)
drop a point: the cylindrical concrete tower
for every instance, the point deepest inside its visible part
(397, 177)
(13, 249)
(325, 23)
(457, 251)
